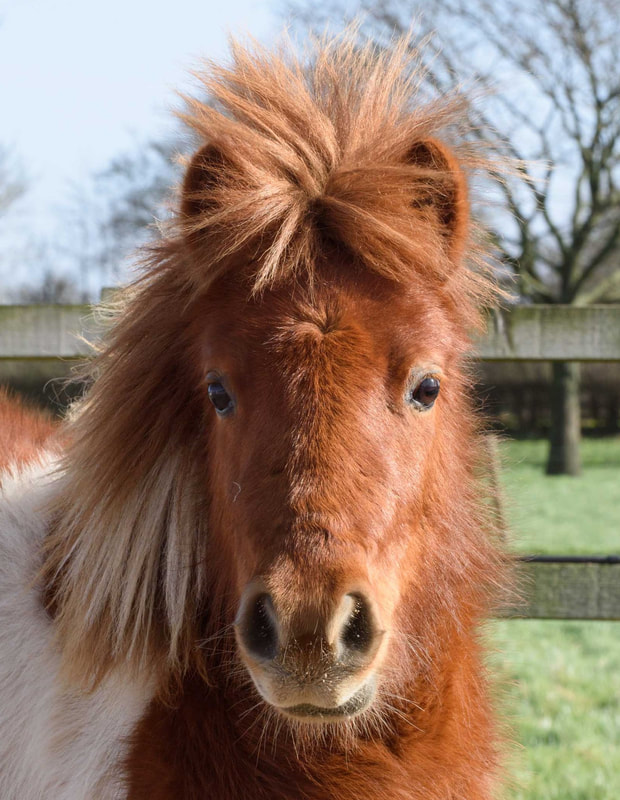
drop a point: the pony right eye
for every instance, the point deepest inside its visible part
(423, 395)
(426, 392)
(222, 401)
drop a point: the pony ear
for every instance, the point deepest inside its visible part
(202, 177)
(442, 194)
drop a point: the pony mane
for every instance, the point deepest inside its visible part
(297, 158)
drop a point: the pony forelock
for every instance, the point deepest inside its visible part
(300, 153)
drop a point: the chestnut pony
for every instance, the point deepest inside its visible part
(257, 566)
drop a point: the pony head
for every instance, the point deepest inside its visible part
(276, 454)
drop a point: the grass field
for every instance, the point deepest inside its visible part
(563, 514)
(561, 680)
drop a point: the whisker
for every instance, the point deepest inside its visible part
(407, 700)
(398, 713)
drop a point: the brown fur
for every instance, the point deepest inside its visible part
(24, 431)
(321, 254)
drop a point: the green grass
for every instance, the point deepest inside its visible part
(563, 514)
(561, 695)
(561, 680)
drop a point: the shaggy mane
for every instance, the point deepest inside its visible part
(298, 158)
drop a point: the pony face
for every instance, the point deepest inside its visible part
(284, 440)
(325, 409)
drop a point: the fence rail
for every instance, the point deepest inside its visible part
(522, 333)
(558, 587)
(552, 333)
(554, 587)
(47, 331)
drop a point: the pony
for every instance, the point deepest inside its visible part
(254, 560)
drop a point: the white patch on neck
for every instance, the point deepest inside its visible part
(54, 743)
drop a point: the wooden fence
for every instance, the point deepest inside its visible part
(556, 587)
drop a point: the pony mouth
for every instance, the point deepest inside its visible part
(355, 705)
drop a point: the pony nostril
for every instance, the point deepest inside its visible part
(258, 631)
(358, 631)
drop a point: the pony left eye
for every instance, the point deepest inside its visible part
(220, 398)
(425, 393)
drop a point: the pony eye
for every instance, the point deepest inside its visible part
(220, 398)
(425, 393)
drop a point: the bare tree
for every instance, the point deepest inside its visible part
(117, 212)
(52, 287)
(554, 72)
(12, 185)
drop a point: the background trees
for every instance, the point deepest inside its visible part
(12, 185)
(117, 211)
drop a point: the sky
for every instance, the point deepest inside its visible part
(84, 80)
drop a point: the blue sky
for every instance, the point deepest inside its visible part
(83, 80)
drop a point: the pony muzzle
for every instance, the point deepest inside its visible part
(311, 665)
